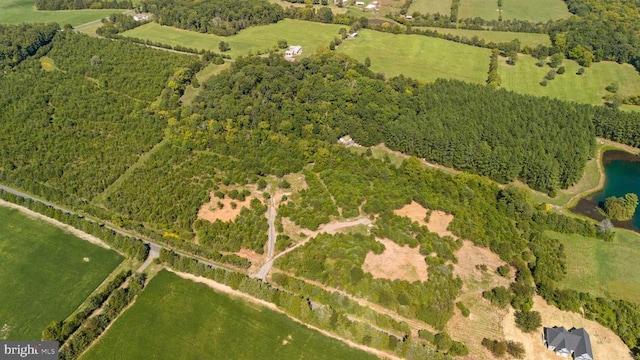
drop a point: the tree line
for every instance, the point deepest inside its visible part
(82, 4)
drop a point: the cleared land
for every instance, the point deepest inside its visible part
(605, 344)
(209, 325)
(419, 57)
(603, 268)
(531, 10)
(442, 7)
(19, 11)
(525, 77)
(526, 39)
(45, 273)
(309, 35)
(190, 93)
(211, 211)
(396, 262)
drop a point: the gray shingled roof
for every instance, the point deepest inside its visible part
(574, 340)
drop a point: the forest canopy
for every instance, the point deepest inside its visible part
(545, 143)
(220, 17)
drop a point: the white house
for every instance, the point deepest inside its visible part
(141, 17)
(359, 3)
(293, 50)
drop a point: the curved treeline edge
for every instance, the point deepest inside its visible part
(18, 42)
(503, 135)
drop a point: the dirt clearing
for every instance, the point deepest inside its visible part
(470, 257)
(211, 211)
(413, 211)
(396, 262)
(605, 344)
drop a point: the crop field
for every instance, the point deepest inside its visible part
(208, 325)
(526, 39)
(442, 7)
(19, 11)
(603, 268)
(419, 57)
(525, 77)
(45, 273)
(309, 35)
(531, 10)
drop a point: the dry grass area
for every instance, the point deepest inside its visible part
(438, 220)
(396, 262)
(212, 212)
(413, 211)
(485, 320)
(605, 344)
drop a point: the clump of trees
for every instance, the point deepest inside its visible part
(528, 321)
(18, 42)
(621, 208)
(501, 348)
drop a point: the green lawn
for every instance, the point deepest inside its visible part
(588, 88)
(420, 57)
(603, 268)
(443, 7)
(178, 319)
(309, 35)
(19, 11)
(43, 274)
(526, 39)
(531, 10)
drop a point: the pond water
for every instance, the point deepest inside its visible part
(622, 171)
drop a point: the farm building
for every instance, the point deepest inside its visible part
(574, 343)
(359, 3)
(141, 17)
(293, 50)
(370, 7)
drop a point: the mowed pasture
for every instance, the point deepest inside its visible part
(208, 325)
(442, 7)
(525, 77)
(419, 57)
(526, 39)
(20, 11)
(530, 10)
(309, 35)
(45, 274)
(603, 268)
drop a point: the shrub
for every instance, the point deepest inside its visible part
(528, 321)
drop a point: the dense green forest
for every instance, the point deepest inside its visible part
(220, 17)
(601, 30)
(68, 133)
(543, 142)
(18, 42)
(82, 4)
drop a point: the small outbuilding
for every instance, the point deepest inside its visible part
(142, 17)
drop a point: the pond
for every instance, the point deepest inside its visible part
(622, 173)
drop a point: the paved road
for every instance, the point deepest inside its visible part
(154, 248)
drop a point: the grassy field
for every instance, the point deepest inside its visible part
(259, 38)
(190, 93)
(531, 10)
(19, 11)
(44, 274)
(420, 57)
(442, 7)
(207, 325)
(525, 77)
(603, 268)
(526, 39)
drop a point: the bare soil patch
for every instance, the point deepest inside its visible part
(256, 259)
(439, 223)
(396, 262)
(604, 342)
(212, 212)
(413, 211)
